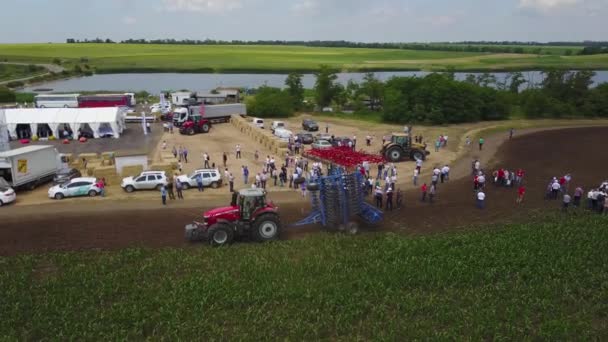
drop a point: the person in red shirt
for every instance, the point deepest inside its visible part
(501, 177)
(562, 184)
(520, 194)
(476, 183)
(424, 190)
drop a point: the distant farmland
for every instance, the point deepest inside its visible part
(109, 58)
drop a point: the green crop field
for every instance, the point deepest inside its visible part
(534, 281)
(235, 58)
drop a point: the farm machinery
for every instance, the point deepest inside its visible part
(401, 146)
(249, 214)
(336, 199)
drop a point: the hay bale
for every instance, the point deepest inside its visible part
(89, 156)
(91, 166)
(132, 170)
(167, 167)
(105, 172)
(173, 161)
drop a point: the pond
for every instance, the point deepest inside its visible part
(157, 82)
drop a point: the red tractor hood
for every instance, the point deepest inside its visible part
(221, 211)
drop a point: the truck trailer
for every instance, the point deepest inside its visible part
(213, 113)
(30, 166)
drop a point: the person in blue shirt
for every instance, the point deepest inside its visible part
(163, 194)
(199, 182)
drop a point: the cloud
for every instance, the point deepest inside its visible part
(305, 7)
(204, 6)
(129, 20)
(546, 5)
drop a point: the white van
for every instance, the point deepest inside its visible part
(259, 123)
(278, 125)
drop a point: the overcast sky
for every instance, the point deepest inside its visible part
(353, 20)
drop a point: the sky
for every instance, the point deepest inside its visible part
(31, 21)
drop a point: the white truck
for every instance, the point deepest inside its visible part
(30, 166)
(213, 113)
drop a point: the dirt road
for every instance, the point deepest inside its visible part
(119, 224)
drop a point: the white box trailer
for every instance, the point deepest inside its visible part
(29, 166)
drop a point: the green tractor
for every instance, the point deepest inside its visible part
(401, 146)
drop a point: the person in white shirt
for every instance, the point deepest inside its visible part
(481, 198)
(555, 187)
(481, 180)
(566, 201)
(415, 177)
(238, 151)
(436, 171)
(445, 173)
(419, 165)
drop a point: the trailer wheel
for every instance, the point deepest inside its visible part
(267, 227)
(220, 235)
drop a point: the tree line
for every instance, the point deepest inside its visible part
(439, 98)
(467, 46)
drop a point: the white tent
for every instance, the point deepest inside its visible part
(76, 118)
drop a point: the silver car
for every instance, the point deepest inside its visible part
(321, 145)
(148, 180)
(210, 177)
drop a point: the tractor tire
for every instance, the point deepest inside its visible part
(312, 186)
(394, 154)
(417, 154)
(205, 128)
(299, 180)
(191, 131)
(220, 235)
(267, 227)
(352, 228)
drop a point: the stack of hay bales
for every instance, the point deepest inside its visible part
(107, 158)
(168, 163)
(109, 173)
(260, 136)
(93, 162)
(132, 170)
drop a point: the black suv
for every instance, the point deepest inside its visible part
(305, 138)
(310, 125)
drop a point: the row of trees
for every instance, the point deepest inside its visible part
(439, 98)
(469, 46)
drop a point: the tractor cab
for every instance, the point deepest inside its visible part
(248, 201)
(401, 139)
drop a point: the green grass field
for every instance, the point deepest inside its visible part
(235, 58)
(12, 71)
(535, 281)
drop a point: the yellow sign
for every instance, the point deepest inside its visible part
(22, 166)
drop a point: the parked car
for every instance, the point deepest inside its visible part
(278, 125)
(321, 144)
(323, 136)
(305, 138)
(148, 180)
(7, 194)
(211, 178)
(283, 134)
(340, 141)
(65, 175)
(83, 186)
(310, 125)
(259, 123)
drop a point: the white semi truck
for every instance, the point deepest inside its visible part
(30, 166)
(213, 113)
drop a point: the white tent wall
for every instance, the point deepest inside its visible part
(56, 117)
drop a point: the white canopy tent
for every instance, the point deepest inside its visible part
(76, 118)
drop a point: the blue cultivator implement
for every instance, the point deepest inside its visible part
(336, 199)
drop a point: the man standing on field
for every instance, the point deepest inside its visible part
(481, 142)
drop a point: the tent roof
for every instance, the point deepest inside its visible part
(62, 115)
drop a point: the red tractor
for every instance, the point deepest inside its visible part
(249, 214)
(195, 124)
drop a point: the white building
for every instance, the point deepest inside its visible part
(44, 122)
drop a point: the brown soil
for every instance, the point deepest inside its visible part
(119, 224)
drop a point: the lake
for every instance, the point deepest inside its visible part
(157, 82)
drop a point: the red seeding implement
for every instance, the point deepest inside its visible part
(344, 156)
